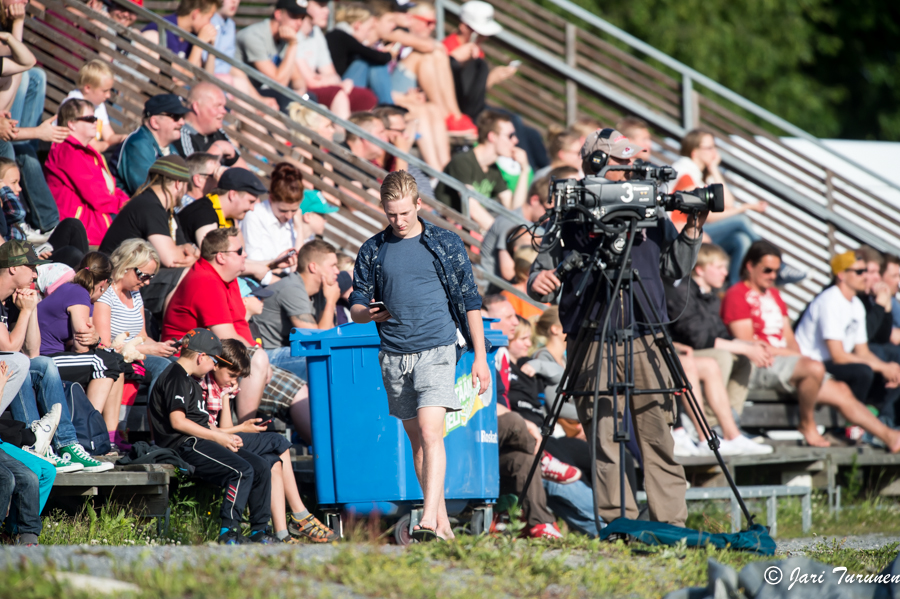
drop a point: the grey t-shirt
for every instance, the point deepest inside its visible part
(495, 240)
(313, 49)
(414, 294)
(256, 42)
(289, 299)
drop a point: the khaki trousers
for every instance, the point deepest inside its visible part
(652, 415)
(736, 374)
(516, 457)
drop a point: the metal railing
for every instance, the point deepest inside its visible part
(568, 72)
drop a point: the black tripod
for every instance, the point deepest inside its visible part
(619, 284)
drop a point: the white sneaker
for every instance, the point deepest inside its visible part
(44, 429)
(33, 235)
(684, 446)
(741, 445)
(62, 466)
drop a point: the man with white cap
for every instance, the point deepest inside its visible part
(658, 252)
(473, 76)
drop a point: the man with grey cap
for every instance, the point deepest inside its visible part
(161, 126)
(236, 194)
(658, 252)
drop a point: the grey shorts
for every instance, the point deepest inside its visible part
(420, 380)
(776, 377)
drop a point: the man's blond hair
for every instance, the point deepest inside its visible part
(397, 186)
(709, 253)
(93, 72)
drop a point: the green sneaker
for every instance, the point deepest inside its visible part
(76, 454)
(62, 466)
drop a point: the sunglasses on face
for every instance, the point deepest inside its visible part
(87, 119)
(143, 277)
(859, 271)
(239, 251)
(425, 20)
(768, 271)
(174, 117)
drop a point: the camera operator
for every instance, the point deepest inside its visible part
(658, 252)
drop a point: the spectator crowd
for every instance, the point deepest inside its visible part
(198, 271)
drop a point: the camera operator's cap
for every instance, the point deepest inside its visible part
(480, 17)
(240, 179)
(842, 262)
(165, 104)
(19, 253)
(172, 167)
(609, 141)
(313, 201)
(250, 287)
(296, 8)
(204, 341)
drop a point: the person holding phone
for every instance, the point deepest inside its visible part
(420, 347)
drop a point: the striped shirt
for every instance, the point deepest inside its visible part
(124, 319)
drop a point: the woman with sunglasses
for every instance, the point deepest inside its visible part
(78, 176)
(121, 310)
(69, 338)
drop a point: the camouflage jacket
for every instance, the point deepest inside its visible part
(451, 263)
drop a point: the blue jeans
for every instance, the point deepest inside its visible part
(43, 213)
(574, 504)
(32, 479)
(155, 366)
(735, 235)
(28, 105)
(375, 77)
(44, 378)
(281, 357)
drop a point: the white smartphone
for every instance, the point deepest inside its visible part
(515, 64)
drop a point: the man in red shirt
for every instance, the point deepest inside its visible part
(209, 297)
(754, 311)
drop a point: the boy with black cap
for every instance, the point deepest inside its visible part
(161, 126)
(236, 194)
(179, 421)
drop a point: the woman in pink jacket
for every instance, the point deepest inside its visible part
(78, 176)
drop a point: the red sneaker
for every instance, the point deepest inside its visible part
(545, 531)
(558, 472)
(461, 125)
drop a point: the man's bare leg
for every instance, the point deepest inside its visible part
(247, 401)
(276, 503)
(839, 395)
(426, 435)
(300, 414)
(808, 377)
(717, 395)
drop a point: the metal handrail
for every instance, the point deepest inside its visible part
(489, 203)
(691, 76)
(673, 128)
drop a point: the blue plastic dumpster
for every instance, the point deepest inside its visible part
(363, 460)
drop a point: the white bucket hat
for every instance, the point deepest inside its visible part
(480, 17)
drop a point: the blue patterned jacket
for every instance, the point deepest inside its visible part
(451, 263)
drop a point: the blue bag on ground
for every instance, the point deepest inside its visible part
(90, 429)
(756, 539)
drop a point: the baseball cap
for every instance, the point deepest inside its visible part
(296, 8)
(240, 179)
(480, 17)
(172, 167)
(19, 253)
(164, 104)
(610, 141)
(204, 341)
(313, 201)
(251, 287)
(839, 263)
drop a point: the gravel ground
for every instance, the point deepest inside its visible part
(872, 541)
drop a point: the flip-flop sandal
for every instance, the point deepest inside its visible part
(424, 535)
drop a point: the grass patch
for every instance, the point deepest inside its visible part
(873, 514)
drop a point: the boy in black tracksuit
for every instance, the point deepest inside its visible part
(179, 421)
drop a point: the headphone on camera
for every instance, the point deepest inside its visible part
(598, 158)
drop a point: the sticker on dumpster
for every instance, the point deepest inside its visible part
(471, 403)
